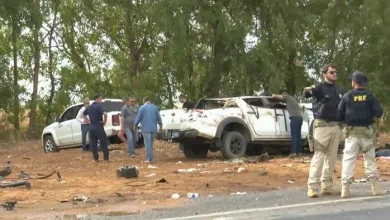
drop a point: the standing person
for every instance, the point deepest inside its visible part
(327, 133)
(128, 115)
(358, 109)
(84, 125)
(96, 129)
(186, 104)
(149, 116)
(296, 120)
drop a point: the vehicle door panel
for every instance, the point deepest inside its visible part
(64, 128)
(76, 126)
(284, 124)
(261, 119)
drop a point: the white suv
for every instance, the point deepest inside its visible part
(66, 131)
(230, 124)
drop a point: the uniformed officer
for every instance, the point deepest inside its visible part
(359, 109)
(327, 133)
(96, 129)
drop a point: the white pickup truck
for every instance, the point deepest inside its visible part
(66, 131)
(229, 125)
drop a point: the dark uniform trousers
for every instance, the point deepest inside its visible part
(97, 133)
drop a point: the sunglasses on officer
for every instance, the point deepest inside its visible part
(332, 72)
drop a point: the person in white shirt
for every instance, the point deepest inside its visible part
(84, 125)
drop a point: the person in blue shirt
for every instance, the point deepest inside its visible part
(96, 128)
(149, 116)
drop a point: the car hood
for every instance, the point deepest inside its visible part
(52, 125)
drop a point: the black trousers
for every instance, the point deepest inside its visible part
(96, 132)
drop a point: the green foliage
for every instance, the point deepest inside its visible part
(201, 48)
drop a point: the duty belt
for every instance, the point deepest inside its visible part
(360, 131)
(322, 123)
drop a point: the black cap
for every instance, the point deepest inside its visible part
(97, 96)
(359, 77)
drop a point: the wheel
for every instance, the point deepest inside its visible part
(195, 150)
(233, 145)
(49, 146)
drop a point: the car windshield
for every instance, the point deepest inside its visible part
(112, 106)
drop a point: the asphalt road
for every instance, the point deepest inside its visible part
(281, 204)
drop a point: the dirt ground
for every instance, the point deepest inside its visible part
(111, 195)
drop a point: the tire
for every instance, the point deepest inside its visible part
(49, 146)
(234, 145)
(196, 150)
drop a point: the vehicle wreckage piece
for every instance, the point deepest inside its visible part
(26, 176)
(127, 172)
(7, 170)
(9, 205)
(16, 184)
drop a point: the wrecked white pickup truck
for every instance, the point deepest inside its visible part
(229, 125)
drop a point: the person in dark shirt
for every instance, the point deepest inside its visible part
(96, 129)
(358, 109)
(326, 97)
(186, 104)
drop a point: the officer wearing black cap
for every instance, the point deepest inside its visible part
(96, 129)
(359, 109)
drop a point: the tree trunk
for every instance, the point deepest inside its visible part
(16, 107)
(50, 70)
(213, 85)
(291, 86)
(37, 58)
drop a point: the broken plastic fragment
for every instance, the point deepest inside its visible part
(175, 196)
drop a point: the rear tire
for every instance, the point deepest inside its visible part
(234, 145)
(49, 146)
(195, 150)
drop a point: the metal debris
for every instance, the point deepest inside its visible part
(9, 205)
(7, 170)
(80, 198)
(16, 184)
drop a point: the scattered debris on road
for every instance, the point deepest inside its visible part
(179, 162)
(192, 195)
(151, 175)
(25, 176)
(175, 196)
(241, 170)
(290, 181)
(262, 158)
(127, 172)
(15, 184)
(6, 171)
(191, 170)
(9, 205)
(152, 167)
(80, 198)
(162, 181)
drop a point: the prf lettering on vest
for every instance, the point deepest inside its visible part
(359, 98)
